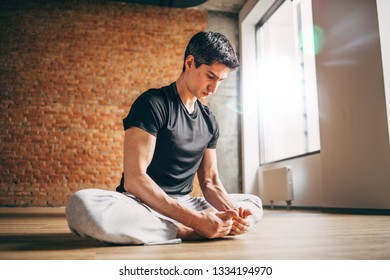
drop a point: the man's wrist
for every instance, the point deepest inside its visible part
(193, 219)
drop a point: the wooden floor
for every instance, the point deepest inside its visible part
(42, 233)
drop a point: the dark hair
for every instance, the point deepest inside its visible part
(209, 47)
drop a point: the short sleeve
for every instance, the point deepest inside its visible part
(213, 142)
(148, 112)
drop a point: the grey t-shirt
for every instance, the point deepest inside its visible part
(181, 138)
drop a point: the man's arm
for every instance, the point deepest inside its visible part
(139, 147)
(212, 188)
(215, 193)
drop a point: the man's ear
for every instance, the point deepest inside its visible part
(190, 61)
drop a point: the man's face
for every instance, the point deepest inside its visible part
(205, 80)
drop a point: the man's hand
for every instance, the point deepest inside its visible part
(240, 224)
(214, 224)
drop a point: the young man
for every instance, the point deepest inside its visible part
(169, 137)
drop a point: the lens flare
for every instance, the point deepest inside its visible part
(311, 40)
(235, 106)
(319, 39)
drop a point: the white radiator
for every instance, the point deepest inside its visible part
(278, 185)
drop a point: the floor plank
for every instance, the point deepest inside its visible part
(42, 233)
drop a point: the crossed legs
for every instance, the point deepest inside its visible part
(118, 218)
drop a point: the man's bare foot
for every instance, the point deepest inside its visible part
(188, 234)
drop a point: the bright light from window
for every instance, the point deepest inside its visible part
(288, 106)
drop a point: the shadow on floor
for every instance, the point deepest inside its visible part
(49, 241)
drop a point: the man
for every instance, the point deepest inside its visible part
(169, 137)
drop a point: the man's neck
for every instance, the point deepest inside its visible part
(185, 95)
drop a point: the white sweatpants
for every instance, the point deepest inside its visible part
(121, 218)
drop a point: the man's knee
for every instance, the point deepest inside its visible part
(76, 204)
(82, 212)
(114, 218)
(75, 210)
(252, 202)
(255, 200)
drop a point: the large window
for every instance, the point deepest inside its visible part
(288, 109)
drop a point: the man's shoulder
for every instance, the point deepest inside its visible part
(156, 95)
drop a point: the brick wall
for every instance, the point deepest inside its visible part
(69, 73)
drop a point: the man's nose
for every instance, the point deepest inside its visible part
(213, 87)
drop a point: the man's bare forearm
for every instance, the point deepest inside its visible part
(216, 195)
